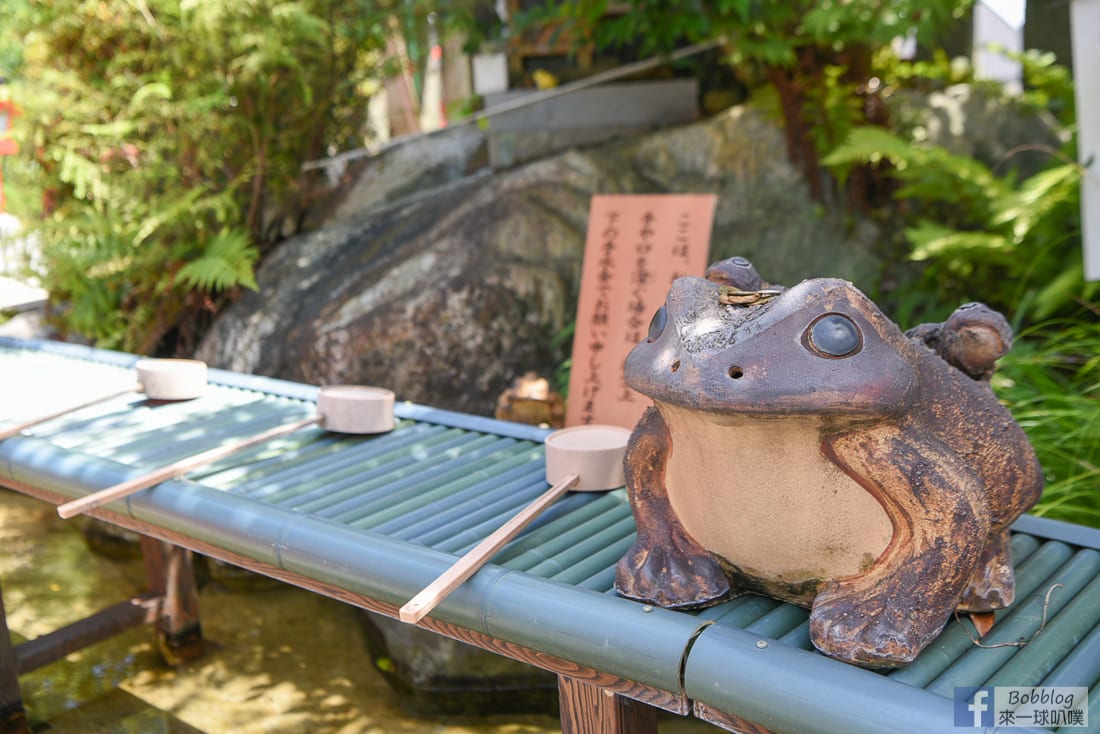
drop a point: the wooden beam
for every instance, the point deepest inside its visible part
(13, 718)
(729, 722)
(102, 625)
(589, 709)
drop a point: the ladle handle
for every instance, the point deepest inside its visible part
(466, 566)
(19, 428)
(177, 469)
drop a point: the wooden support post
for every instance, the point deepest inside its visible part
(104, 624)
(13, 719)
(588, 709)
(170, 575)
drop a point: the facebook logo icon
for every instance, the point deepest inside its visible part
(973, 707)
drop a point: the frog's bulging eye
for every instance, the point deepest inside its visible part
(657, 324)
(834, 335)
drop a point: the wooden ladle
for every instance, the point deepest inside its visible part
(158, 379)
(582, 458)
(340, 409)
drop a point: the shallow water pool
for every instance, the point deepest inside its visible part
(279, 659)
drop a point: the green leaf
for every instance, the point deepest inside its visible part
(116, 129)
(932, 240)
(154, 137)
(304, 23)
(868, 144)
(149, 92)
(773, 51)
(167, 212)
(1037, 197)
(226, 262)
(1058, 292)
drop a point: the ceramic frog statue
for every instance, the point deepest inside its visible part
(801, 446)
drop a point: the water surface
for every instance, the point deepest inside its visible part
(279, 659)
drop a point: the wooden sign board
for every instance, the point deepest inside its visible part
(636, 246)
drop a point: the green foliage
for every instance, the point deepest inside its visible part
(1014, 245)
(1017, 246)
(770, 33)
(475, 21)
(1051, 383)
(13, 15)
(226, 262)
(562, 342)
(1048, 86)
(817, 57)
(169, 137)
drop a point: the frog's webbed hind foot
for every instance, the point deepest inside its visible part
(993, 584)
(882, 619)
(887, 615)
(671, 576)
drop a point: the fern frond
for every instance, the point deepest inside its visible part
(869, 144)
(1037, 197)
(931, 240)
(226, 262)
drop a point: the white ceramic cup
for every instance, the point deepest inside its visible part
(593, 452)
(171, 379)
(356, 409)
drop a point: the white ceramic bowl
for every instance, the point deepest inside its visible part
(594, 453)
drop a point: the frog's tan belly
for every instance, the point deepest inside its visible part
(760, 494)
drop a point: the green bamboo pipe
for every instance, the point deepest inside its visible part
(1060, 636)
(1020, 622)
(954, 640)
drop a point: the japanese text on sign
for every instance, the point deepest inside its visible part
(636, 246)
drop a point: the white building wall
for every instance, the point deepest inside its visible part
(992, 30)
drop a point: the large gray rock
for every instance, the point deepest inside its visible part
(446, 294)
(403, 170)
(437, 675)
(980, 123)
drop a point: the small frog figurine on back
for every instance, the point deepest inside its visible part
(801, 446)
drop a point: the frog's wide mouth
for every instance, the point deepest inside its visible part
(836, 412)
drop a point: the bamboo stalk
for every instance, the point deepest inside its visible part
(598, 558)
(19, 428)
(177, 469)
(563, 532)
(466, 566)
(464, 530)
(512, 489)
(344, 492)
(298, 467)
(453, 476)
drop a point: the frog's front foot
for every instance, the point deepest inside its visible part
(670, 579)
(875, 631)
